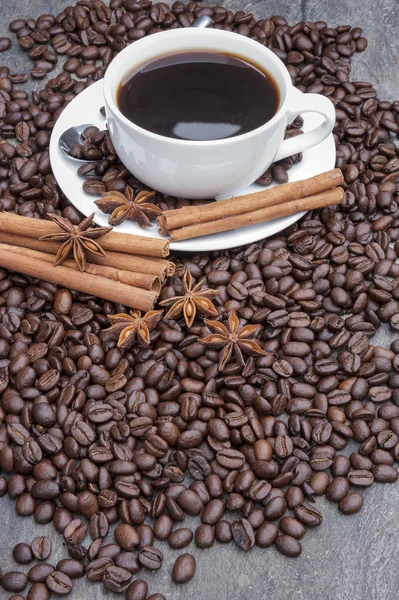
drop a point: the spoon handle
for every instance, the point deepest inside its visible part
(203, 22)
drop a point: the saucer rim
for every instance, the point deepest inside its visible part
(91, 96)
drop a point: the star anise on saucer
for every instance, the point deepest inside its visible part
(232, 339)
(76, 240)
(194, 299)
(132, 327)
(126, 206)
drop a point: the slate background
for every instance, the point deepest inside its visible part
(347, 558)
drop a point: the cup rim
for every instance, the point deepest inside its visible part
(199, 143)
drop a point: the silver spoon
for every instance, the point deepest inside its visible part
(73, 135)
(202, 22)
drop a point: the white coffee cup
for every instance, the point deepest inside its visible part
(215, 168)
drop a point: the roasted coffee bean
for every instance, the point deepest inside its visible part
(137, 590)
(126, 536)
(266, 535)
(39, 573)
(14, 581)
(162, 527)
(223, 532)
(204, 536)
(274, 508)
(259, 490)
(340, 466)
(45, 490)
(351, 503)
(213, 512)
(75, 532)
(98, 526)
(230, 459)
(97, 568)
(44, 512)
(180, 538)
(263, 450)
(294, 495)
(150, 557)
(5, 44)
(3, 486)
(62, 301)
(41, 548)
(243, 534)
(361, 478)
(190, 502)
(22, 554)
(337, 489)
(288, 546)
(25, 505)
(62, 518)
(184, 568)
(38, 591)
(385, 474)
(72, 568)
(361, 462)
(293, 527)
(128, 561)
(59, 583)
(308, 515)
(117, 579)
(381, 457)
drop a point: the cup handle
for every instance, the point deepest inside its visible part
(307, 103)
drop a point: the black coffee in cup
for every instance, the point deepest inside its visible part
(199, 96)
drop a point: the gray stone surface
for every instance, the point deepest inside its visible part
(347, 558)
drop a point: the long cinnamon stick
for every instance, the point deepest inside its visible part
(128, 262)
(83, 282)
(145, 281)
(327, 198)
(192, 215)
(117, 242)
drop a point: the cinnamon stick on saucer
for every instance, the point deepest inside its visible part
(328, 198)
(197, 215)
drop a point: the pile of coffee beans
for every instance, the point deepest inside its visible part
(116, 446)
(46, 578)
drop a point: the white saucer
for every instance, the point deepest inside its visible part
(85, 108)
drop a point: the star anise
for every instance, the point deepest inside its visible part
(126, 206)
(232, 340)
(194, 299)
(133, 327)
(76, 240)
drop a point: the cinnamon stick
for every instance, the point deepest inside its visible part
(83, 282)
(145, 281)
(170, 266)
(171, 269)
(195, 215)
(128, 262)
(116, 242)
(328, 198)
